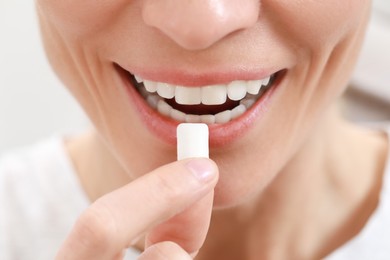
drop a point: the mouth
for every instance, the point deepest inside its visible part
(213, 104)
(228, 108)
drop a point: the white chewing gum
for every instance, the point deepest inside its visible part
(192, 140)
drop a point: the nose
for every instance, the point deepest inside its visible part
(198, 24)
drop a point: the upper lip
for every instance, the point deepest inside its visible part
(202, 78)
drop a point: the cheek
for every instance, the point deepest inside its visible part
(319, 23)
(81, 18)
(72, 33)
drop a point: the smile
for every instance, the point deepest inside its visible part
(213, 104)
(229, 109)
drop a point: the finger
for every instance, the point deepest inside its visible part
(165, 250)
(109, 224)
(188, 229)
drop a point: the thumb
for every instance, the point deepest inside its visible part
(163, 251)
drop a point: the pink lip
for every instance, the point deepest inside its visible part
(221, 134)
(183, 78)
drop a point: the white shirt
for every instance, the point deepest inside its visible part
(41, 197)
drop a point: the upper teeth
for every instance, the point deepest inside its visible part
(208, 95)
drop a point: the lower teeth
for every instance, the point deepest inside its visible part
(222, 117)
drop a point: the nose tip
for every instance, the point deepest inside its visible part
(199, 24)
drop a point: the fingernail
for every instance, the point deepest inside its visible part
(202, 168)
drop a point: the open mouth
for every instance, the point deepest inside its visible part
(212, 104)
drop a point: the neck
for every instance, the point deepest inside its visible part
(99, 172)
(294, 217)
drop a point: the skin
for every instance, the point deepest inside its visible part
(278, 188)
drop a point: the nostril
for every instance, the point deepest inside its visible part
(199, 24)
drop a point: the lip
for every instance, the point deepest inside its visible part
(220, 134)
(183, 78)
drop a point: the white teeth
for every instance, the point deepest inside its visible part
(188, 96)
(247, 102)
(178, 115)
(236, 90)
(220, 118)
(165, 90)
(193, 119)
(214, 95)
(138, 79)
(266, 81)
(164, 108)
(247, 92)
(238, 111)
(253, 86)
(150, 86)
(223, 117)
(153, 100)
(207, 95)
(207, 119)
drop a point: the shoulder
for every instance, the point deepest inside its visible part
(42, 169)
(27, 174)
(372, 241)
(23, 163)
(40, 198)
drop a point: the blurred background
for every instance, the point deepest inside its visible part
(368, 98)
(34, 105)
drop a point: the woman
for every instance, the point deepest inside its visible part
(289, 178)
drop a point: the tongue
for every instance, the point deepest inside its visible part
(203, 109)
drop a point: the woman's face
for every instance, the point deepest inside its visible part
(209, 52)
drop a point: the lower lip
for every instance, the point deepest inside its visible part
(220, 134)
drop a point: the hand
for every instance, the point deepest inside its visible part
(171, 205)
